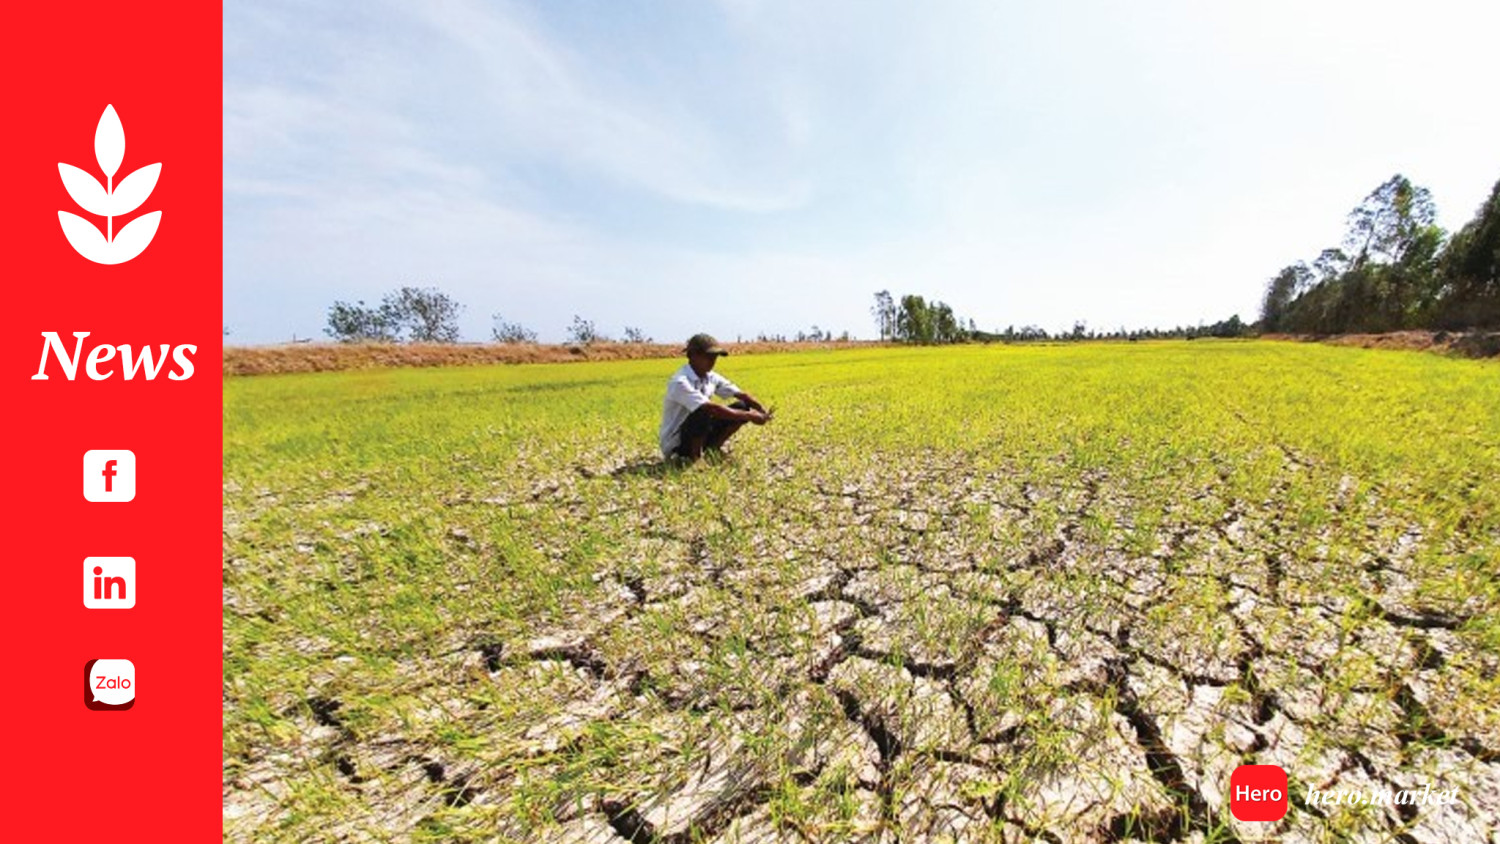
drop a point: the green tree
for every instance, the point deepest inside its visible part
(1388, 222)
(1330, 264)
(425, 314)
(1281, 290)
(582, 332)
(510, 332)
(1385, 278)
(1469, 271)
(945, 326)
(358, 323)
(884, 311)
(914, 320)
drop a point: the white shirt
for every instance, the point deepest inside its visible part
(686, 392)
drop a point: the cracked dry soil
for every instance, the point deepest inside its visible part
(915, 650)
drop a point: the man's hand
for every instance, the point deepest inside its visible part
(759, 417)
(750, 401)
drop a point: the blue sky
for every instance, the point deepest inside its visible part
(743, 167)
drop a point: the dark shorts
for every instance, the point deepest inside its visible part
(700, 424)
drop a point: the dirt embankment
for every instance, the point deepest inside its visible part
(331, 357)
(1470, 344)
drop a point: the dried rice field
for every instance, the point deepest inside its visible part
(1043, 593)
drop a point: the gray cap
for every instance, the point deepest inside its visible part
(704, 344)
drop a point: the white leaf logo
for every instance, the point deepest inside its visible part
(109, 142)
(108, 200)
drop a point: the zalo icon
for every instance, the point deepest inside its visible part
(109, 684)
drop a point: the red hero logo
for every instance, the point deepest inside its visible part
(1258, 793)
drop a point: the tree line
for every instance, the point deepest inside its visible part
(915, 320)
(428, 315)
(1231, 327)
(1395, 269)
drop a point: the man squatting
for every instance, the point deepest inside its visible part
(691, 422)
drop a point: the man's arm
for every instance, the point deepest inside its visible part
(724, 411)
(724, 388)
(750, 400)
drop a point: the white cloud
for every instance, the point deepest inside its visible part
(547, 101)
(766, 165)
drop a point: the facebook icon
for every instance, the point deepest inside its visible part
(108, 475)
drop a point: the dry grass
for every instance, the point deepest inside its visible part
(336, 357)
